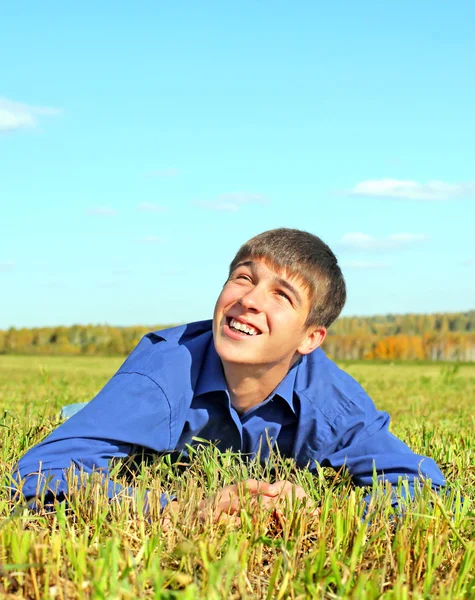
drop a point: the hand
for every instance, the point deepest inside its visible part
(289, 492)
(231, 499)
(288, 495)
(169, 514)
(227, 503)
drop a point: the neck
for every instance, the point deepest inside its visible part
(248, 386)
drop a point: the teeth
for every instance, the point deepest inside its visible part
(243, 327)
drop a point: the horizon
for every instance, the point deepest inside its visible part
(178, 323)
(136, 164)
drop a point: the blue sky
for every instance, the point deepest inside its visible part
(142, 143)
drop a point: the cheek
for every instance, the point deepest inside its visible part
(228, 296)
(286, 325)
(219, 303)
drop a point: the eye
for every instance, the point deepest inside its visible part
(284, 295)
(243, 277)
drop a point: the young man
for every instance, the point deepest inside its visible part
(251, 379)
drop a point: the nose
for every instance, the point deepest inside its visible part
(253, 300)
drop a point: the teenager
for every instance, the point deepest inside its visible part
(251, 379)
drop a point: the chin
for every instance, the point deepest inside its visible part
(230, 354)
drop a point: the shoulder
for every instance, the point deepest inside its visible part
(172, 354)
(325, 388)
(183, 333)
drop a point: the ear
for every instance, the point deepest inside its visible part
(313, 339)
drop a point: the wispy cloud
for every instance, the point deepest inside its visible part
(17, 115)
(7, 266)
(170, 172)
(363, 241)
(149, 239)
(413, 190)
(102, 211)
(218, 206)
(151, 207)
(469, 262)
(232, 202)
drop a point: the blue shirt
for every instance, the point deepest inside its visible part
(172, 388)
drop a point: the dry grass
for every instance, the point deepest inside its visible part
(96, 549)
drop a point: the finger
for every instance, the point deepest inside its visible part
(267, 502)
(227, 519)
(299, 492)
(315, 512)
(228, 506)
(279, 515)
(253, 486)
(282, 486)
(291, 490)
(166, 523)
(276, 489)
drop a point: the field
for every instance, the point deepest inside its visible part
(96, 549)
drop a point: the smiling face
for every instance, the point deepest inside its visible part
(260, 318)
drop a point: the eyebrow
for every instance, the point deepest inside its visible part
(279, 280)
(293, 290)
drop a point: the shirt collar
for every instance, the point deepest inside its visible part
(211, 378)
(285, 389)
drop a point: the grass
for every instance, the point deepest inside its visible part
(96, 549)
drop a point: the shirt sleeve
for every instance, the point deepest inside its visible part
(363, 444)
(130, 411)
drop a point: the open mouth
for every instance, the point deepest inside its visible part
(243, 328)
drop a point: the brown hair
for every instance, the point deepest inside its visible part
(305, 256)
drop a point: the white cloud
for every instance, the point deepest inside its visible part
(363, 265)
(151, 207)
(218, 206)
(170, 172)
(149, 239)
(7, 266)
(233, 201)
(363, 241)
(102, 211)
(412, 190)
(16, 115)
(469, 262)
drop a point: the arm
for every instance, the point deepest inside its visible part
(130, 411)
(363, 444)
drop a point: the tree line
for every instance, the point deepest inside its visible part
(432, 337)
(442, 336)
